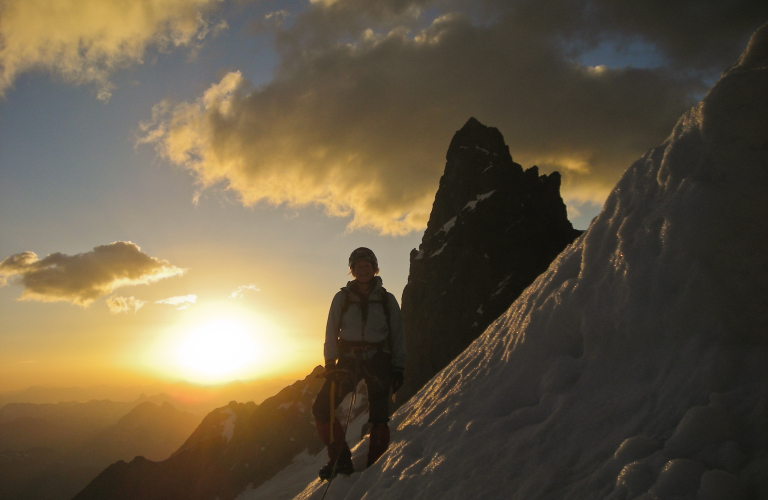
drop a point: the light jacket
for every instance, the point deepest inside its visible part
(375, 329)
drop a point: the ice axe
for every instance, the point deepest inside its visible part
(331, 374)
(333, 409)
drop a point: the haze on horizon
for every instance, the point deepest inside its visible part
(181, 181)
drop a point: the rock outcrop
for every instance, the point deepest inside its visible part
(493, 229)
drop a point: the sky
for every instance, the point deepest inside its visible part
(182, 181)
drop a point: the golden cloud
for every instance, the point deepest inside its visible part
(239, 292)
(84, 41)
(84, 277)
(119, 305)
(183, 301)
(219, 138)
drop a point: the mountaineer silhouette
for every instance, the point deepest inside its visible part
(364, 339)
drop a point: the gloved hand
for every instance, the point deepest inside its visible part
(397, 379)
(330, 367)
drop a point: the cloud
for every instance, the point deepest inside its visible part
(85, 41)
(183, 301)
(84, 277)
(238, 294)
(276, 18)
(119, 305)
(368, 94)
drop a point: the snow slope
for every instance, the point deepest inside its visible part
(637, 365)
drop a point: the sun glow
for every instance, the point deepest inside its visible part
(219, 342)
(217, 349)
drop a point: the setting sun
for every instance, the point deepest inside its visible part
(219, 342)
(216, 350)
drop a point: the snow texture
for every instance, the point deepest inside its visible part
(472, 204)
(448, 225)
(229, 424)
(439, 250)
(301, 475)
(635, 367)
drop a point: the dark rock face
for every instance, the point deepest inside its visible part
(235, 446)
(493, 229)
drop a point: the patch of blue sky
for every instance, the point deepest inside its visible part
(614, 53)
(70, 175)
(581, 213)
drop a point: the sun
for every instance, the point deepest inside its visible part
(216, 351)
(218, 343)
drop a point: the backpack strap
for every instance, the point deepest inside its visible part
(344, 307)
(385, 305)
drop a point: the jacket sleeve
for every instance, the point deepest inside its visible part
(398, 334)
(331, 350)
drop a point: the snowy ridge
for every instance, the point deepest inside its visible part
(635, 367)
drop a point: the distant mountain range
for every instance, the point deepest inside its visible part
(183, 395)
(50, 452)
(235, 446)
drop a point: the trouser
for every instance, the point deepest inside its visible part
(377, 373)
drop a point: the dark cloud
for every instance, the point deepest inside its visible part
(703, 34)
(84, 277)
(368, 94)
(694, 34)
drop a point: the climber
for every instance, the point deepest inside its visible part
(364, 339)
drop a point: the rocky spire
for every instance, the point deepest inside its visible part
(493, 229)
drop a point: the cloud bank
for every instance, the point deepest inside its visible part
(368, 95)
(82, 278)
(84, 41)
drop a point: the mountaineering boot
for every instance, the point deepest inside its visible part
(379, 442)
(338, 449)
(343, 466)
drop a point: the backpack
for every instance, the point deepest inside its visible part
(384, 300)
